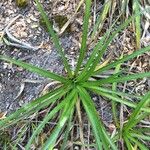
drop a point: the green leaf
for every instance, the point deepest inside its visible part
(136, 9)
(125, 58)
(98, 53)
(101, 19)
(138, 109)
(128, 143)
(117, 99)
(101, 136)
(113, 79)
(114, 87)
(139, 136)
(67, 131)
(110, 91)
(54, 37)
(141, 146)
(96, 49)
(46, 119)
(84, 36)
(35, 69)
(32, 107)
(71, 99)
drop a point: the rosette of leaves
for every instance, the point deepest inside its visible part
(77, 85)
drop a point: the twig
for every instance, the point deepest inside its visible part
(18, 43)
(14, 41)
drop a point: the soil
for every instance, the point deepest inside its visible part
(29, 30)
(18, 86)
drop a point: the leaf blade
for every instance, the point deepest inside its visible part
(46, 119)
(100, 92)
(54, 37)
(113, 79)
(101, 136)
(35, 69)
(84, 36)
(64, 117)
(30, 108)
(92, 62)
(125, 58)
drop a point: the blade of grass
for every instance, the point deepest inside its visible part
(145, 129)
(101, 136)
(125, 58)
(114, 86)
(67, 132)
(128, 143)
(122, 101)
(124, 5)
(46, 119)
(35, 69)
(101, 18)
(19, 136)
(106, 90)
(64, 117)
(84, 36)
(118, 79)
(139, 144)
(92, 62)
(142, 116)
(136, 9)
(32, 107)
(143, 137)
(54, 37)
(133, 116)
(97, 47)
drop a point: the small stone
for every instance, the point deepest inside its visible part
(28, 20)
(34, 26)
(33, 18)
(111, 127)
(24, 34)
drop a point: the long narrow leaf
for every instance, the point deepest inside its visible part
(109, 91)
(128, 143)
(114, 87)
(101, 18)
(97, 47)
(101, 136)
(87, 72)
(125, 58)
(67, 131)
(119, 100)
(133, 116)
(136, 9)
(144, 137)
(54, 37)
(35, 69)
(139, 144)
(64, 117)
(46, 119)
(31, 107)
(84, 35)
(119, 79)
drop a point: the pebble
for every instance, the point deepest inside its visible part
(33, 18)
(34, 26)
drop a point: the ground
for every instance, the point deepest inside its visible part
(12, 78)
(18, 86)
